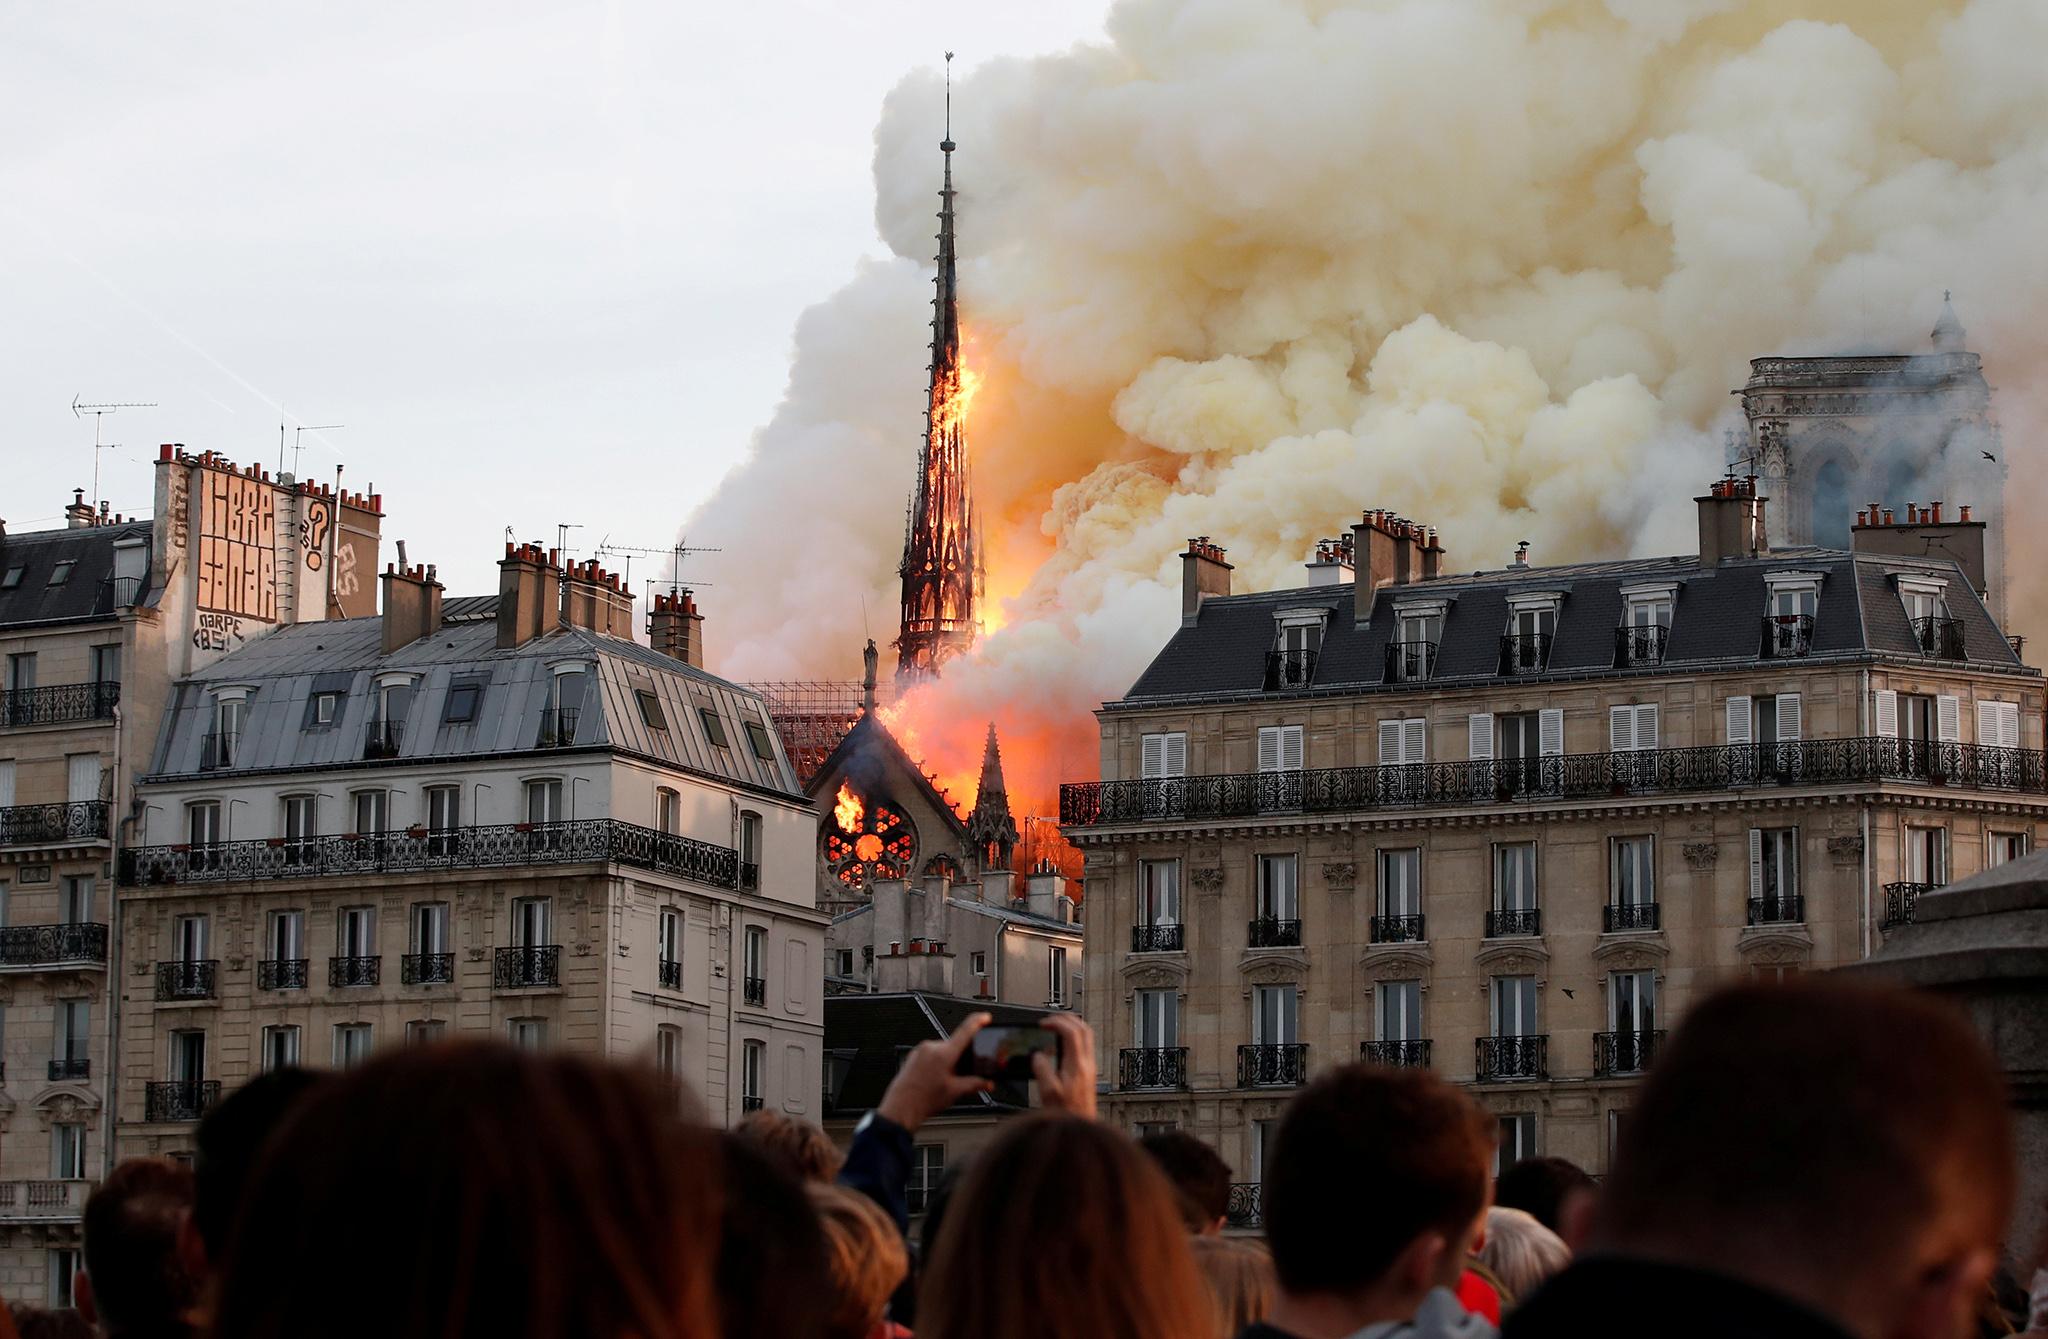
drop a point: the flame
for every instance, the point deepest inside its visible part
(847, 809)
(952, 397)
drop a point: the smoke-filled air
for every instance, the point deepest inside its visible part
(1244, 268)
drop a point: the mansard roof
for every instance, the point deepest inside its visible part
(84, 592)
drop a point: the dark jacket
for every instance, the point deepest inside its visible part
(1603, 1296)
(878, 1166)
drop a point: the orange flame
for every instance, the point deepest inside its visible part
(847, 809)
(952, 398)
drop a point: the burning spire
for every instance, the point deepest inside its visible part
(942, 564)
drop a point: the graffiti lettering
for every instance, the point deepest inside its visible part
(238, 546)
(345, 580)
(217, 632)
(313, 533)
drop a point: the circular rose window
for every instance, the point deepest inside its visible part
(867, 840)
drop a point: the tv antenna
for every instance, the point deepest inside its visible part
(297, 433)
(79, 409)
(675, 552)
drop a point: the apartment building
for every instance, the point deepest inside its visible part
(975, 941)
(492, 816)
(1509, 825)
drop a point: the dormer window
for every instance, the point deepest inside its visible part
(390, 703)
(1645, 624)
(1298, 640)
(222, 744)
(1532, 622)
(1789, 611)
(1926, 602)
(1418, 629)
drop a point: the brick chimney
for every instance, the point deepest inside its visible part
(1333, 564)
(1732, 521)
(1925, 533)
(676, 628)
(1203, 573)
(1390, 550)
(529, 594)
(411, 599)
(594, 599)
(79, 515)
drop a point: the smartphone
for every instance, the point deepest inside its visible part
(1005, 1052)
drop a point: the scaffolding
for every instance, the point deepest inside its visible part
(813, 715)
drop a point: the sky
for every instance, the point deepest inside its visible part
(543, 261)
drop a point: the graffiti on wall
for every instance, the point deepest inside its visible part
(217, 632)
(313, 530)
(237, 562)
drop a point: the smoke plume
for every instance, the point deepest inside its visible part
(1247, 267)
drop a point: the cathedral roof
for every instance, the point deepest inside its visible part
(869, 737)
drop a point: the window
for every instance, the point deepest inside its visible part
(1155, 1019)
(650, 709)
(977, 963)
(1280, 748)
(1275, 1015)
(227, 732)
(668, 1051)
(1403, 741)
(1927, 856)
(73, 1036)
(1633, 880)
(1645, 624)
(528, 1034)
(1056, 970)
(1420, 629)
(188, 1056)
(356, 932)
(544, 801)
(1774, 874)
(1514, 890)
(1925, 601)
(1789, 613)
(326, 707)
(1998, 725)
(285, 936)
(1765, 719)
(1400, 881)
(430, 927)
(753, 1060)
(1158, 892)
(203, 822)
(754, 952)
(1277, 900)
(668, 935)
(464, 700)
(1632, 727)
(1532, 619)
(188, 937)
(1163, 755)
(842, 961)
(1632, 1004)
(9, 581)
(927, 1169)
(372, 812)
(301, 826)
(280, 1048)
(351, 1044)
(1514, 1006)
(532, 922)
(714, 727)
(750, 849)
(75, 908)
(2003, 847)
(667, 805)
(1517, 1141)
(425, 1031)
(444, 816)
(60, 572)
(1397, 1010)
(65, 1262)
(106, 663)
(565, 702)
(67, 1151)
(759, 742)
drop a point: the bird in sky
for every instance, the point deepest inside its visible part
(1988, 456)
(1568, 993)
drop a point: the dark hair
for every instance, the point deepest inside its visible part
(1539, 1188)
(772, 1266)
(1366, 1161)
(485, 1191)
(1818, 1122)
(131, 1246)
(34, 1322)
(227, 1144)
(797, 1146)
(1200, 1176)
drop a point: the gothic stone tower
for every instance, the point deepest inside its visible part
(1832, 434)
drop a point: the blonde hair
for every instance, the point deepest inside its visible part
(1521, 1252)
(866, 1256)
(1239, 1273)
(798, 1147)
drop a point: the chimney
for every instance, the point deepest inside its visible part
(1390, 550)
(676, 628)
(529, 598)
(1203, 573)
(594, 600)
(412, 605)
(1045, 894)
(1926, 533)
(359, 522)
(996, 886)
(1732, 521)
(1521, 558)
(79, 514)
(1332, 565)
(1432, 556)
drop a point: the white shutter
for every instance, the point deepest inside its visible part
(1290, 749)
(1152, 757)
(1479, 731)
(1738, 720)
(1390, 742)
(6, 783)
(1756, 862)
(1177, 754)
(2008, 725)
(1550, 731)
(83, 781)
(1414, 740)
(1269, 748)
(1948, 718)
(1646, 726)
(1987, 724)
(1886, 710)
(1621, 729)
(1789, 717)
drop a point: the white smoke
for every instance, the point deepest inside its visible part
(1252, 266)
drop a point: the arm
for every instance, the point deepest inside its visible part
(878, 1161)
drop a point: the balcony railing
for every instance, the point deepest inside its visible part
(1246, 1205)
(1271, 932)
(1275, 1065)
(347, 971)
(1289, 669)
(1864, 760)
(53, 824)
(501, 846)
(1395, 1054)
(1941, 638)
(1498, 1058)
(53, 1199)
(119, 593)
(1396, 929)
(179, 1099)
(1640, 644)
(1616, 917)
(1524, 653)
(1410, 662)
(1624, 1052)
(383, 738)
(1519, 921)
(526, 965)
(557, 728)
(53, 945)
(1167, 938)
(59, 704)
(1900, 902)
(750, 876)
(670, 973)
(1787, 636)
(282, 973)
(70, 1067)
(1152, 1067)
(754, 991)
(426, 969)
(1777, 909)
(186, 979)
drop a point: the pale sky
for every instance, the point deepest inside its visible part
(542, 260)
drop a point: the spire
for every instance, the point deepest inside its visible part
(1948, 331)
(990, 828)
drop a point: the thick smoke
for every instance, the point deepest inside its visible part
(1248, 267)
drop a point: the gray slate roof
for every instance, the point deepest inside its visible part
(90, 550)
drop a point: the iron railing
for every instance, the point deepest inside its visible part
(426, 969)
(525, 965)
(1396, 929)
(52, 824)
(557, 728)
(345, 971)
(750, 876)
(1272, 1065)
(179, 1099)
(1941, 638)
(1787, 636)
(755, 991)
(1410, 662)
(1246, 1205)
(119, 593)
(1289, 669)
(383, 738)
(1498, 1058)
(70, 1067)
(1859, 760)
(1900, 902)
(1271, 932)
(1618, 916)
(670, 972)
(500, 846)
(282, 973)
(1507, 924)
(1524, 653)
(1640, 644)
(1395, 1054)
(1625, 1052)
(1152, 1067)
(1777, 909)
(187, 979)
(59, 704)
(750, 1104)
(1165, 938)
(46, 945)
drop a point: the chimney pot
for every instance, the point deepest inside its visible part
(1965, 511)
(1204, 574)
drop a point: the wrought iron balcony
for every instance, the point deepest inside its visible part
(1247, 1200)
(1396, 929)
(1624, 1052)
(1269, 932)
(1170, 937)
(1787, 636)
(750, 876)
(352, 970)
(750, 1104)
(1900, 902)
(53, 945)
(1778, 909)
(70, 1067)
(1410, 662)
(1272, 1065)
(1617, 917)
(179, 1099)
(117, 593)
(187, 979)
(1508, 924)
(1395, 1054)
(502, 846)
(1499, 1058)
(557, 728)
(282, 973)
(670, 973)
(59, 704)
(527, 965)
(1941, 638)
(1289, 669)
(426, 969)
(1863, 760)
(383, 739)
(1640, 644)
(53, 824)
(1152, 1067)
(755, 991)
(1524, 653)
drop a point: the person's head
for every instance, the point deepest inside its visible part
(1545, 1188)
(773, 1273)
(798, 1147)
(1844, 1143)
(1024, 1254)
(866, 1255)
(134, 1279)
(226, 1145)
(1240, 1279)
(31, 1322)
(1520, 1252)
(505, 1192)
(1375, 1188)
(1200, 1177)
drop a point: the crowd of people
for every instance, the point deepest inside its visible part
(1817, 1160)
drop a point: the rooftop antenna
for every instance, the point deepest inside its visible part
(98, 412)
(562, 538)
(296, 433)
(676, 552)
